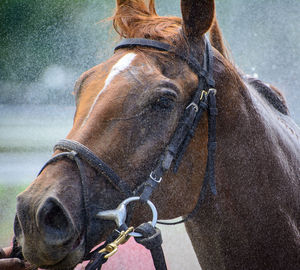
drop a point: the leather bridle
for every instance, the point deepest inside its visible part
(202, 100)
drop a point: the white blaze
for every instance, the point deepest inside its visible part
(121, 65)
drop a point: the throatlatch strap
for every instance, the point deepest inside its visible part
(209, 178)
(202, 107)
(212, 144)
(178, 142)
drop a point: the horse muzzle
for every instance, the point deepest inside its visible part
(48, 236)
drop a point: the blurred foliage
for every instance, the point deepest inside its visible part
(35, 34)
(8, 195)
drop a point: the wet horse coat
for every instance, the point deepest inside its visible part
(127, 110)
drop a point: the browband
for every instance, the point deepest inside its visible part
(205, 71)
(132, 42)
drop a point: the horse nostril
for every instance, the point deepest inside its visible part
(55, 218)
(54, 222)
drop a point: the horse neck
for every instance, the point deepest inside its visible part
(233, 122)
(252, 179)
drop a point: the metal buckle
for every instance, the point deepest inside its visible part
(119, 214)
(203, 94)
(212, 90)
(153, 177)
(112, 248)
(193, 104)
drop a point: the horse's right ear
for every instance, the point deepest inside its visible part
(198, 16)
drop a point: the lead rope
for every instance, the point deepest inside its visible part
(151, 239)
(97, 257)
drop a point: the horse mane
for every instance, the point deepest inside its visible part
(269, 92)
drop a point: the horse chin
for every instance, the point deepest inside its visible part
(74, 257)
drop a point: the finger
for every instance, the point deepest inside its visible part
(79, 267)
(29, 266)
(2, 253)
(5, 252)
(11, 264)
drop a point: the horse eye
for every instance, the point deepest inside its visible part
(163, 103)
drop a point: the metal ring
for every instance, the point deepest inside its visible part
(196, 108)
(213, 90)
(120, 213)
(153, 209)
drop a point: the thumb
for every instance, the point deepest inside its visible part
(5, 252)
(11, 264)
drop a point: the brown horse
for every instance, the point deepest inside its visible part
(127, 110)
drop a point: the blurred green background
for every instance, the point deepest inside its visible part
(45, 45)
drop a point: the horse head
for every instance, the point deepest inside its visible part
(127, 109)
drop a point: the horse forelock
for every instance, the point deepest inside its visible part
(133, 19)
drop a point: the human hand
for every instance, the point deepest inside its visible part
(7, 263)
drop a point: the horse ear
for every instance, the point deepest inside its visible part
(198, 16)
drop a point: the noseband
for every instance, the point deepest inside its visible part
(202, 100)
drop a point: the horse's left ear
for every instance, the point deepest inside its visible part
(198, 16)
